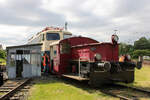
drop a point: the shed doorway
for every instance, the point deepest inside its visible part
(19, 63)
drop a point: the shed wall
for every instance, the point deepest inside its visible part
(31, 61)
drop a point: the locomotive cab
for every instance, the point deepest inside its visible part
(47, 36)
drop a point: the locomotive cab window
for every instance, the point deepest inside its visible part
(65, 36)
(65, 48)
(52, 36)
(53, 51)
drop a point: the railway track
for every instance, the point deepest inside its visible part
(116, 90)
(11, 89)
(126, 92)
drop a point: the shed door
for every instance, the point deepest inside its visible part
(19, 63)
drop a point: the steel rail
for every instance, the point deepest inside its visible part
(14, 90)
(124, 97)
(134, 88)
(116, 95)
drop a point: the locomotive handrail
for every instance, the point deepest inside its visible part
(79, 65)
(82, 60)
(81, 45)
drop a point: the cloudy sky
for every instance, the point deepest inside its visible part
(20, 19)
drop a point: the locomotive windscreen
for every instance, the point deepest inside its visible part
(52, 36)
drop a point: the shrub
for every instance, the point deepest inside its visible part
(2, 54)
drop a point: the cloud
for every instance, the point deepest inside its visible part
(93, 18)
(28, 13)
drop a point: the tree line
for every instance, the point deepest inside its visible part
(140, 47)
(2, 54)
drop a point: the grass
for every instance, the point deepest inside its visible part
(142, 78)
(3, 61)
(143, 74)
(58, 89)
(61, 90)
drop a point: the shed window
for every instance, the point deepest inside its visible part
(12, 59)
(35, 59)
(19, 57)
(26, 59)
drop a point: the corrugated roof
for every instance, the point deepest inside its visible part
(25, 45)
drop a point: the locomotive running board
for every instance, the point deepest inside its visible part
(75, 77)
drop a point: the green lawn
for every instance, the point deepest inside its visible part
(142, 78)
(143, 74)
(59, 89)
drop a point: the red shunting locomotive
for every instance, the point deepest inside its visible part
(87, 59)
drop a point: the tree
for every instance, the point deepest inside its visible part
(149, 40)
(141, 47)
(137, 53)
(125, 49)
(142, 44)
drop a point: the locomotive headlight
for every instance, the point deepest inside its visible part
(105, 66)
(98, 56)
(116, 38)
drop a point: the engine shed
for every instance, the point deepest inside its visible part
(24, 61)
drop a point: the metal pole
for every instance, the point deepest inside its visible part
(79, 67)
(66, 25)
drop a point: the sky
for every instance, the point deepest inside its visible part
(20, 19)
